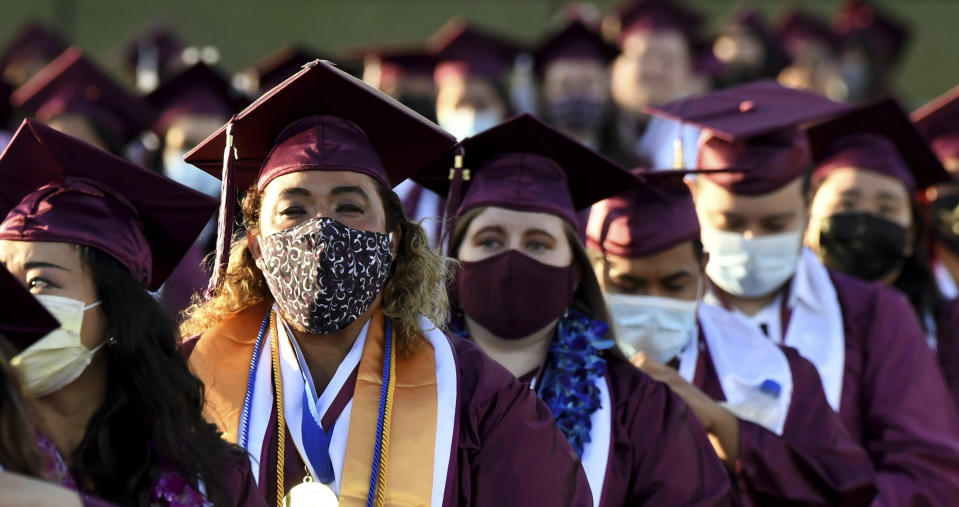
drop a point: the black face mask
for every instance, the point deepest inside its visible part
(945, 215)
(862, 245)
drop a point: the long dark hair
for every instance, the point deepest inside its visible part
(18, 440)
(916, 280)
(152, 411)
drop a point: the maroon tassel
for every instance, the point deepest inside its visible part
(226, 216)
(457, 176)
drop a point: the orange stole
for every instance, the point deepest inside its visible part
(221, 359)
(409, 479)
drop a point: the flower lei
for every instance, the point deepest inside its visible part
(568, 386)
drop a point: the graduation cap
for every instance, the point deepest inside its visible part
(755, 129)
(23, 320)
(198, 89)
(862, 20)
(279, 65)
(876, 137)
(798, 27)
(320, 119)
(577, 42)
(73, 84)
(463, 49)
(56, 188)
(938, 121)
(656, 214)
(653, 15)
(749, 19)
(156, 50)
(401, 61)
(34, 40)
(525, 165)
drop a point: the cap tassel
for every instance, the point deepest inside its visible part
(457, 176)
(226, 215)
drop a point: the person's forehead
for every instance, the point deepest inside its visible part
(513, 220)
(16, 253)
(864, 180)
(575, 67)
(319, 182)
(676, 258)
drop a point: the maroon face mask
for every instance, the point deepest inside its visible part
(513, 295)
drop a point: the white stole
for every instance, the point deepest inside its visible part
(816, 326)
(744, 359)
(596, 452)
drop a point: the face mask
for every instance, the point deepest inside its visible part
(464, 122)
(60, 357)
(659, 327)
(323, 274)
(753, 267)
(175, 168)
(862, 245)
(513, 295)
(576, 113)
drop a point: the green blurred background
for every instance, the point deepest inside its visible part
(246, 30)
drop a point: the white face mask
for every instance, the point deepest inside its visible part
(464, 122)
(60, 357)
(175, 168)
(659, 327)
(753, 267)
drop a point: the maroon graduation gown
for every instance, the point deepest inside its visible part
(894, 399)
(814, 462)
(947, 344)
(507, 448)
(660, 454)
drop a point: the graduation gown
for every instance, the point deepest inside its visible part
(660, 454)
(947, 344)
(894, 400)
(506, 448)
(814, 462)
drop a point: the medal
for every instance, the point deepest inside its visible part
(310, 493)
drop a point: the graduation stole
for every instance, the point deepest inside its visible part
(222, 360)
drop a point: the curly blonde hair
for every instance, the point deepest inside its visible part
(416, 286)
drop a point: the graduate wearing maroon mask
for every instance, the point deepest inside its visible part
(867, 345)
(764, 404)
(527, 296)
(317, 344)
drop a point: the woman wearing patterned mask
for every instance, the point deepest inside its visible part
(119, 415)
(320, 343)
(527, 296)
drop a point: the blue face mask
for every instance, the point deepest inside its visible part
(175, 168)
(753, 267)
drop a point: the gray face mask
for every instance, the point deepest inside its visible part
(323, 274)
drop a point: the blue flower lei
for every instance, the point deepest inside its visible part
(568, 386)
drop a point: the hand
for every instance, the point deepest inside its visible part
(720, 424)
(22, 491)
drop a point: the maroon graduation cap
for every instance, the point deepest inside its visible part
(73, 84)
(159, 42)
(461, 48)
(198, 89)
(655, 215)
(524, 164)
(34, 40)
(56, 188)
(938, 121)
(862, 20)
(651, 15)
(878, 137)
(576, 42)
(752, 21)
(797, 27)
(398, 61)
(279, 65)
(320, 119)
(753, 129)
(23, 320)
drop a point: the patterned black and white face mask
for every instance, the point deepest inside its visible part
(323, 274)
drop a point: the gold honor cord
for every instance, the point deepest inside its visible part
(309, 492)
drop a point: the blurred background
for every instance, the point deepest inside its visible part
(246, 30)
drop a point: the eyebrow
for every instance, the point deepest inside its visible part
(778, 216)
(350, 190)
(538, 231)
(490, 228)
(35, 265)
(850, 193)
(887, 195)
(287, 193)
(675, 277)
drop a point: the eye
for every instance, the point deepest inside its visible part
(349, 209)
(293, 211)
(537, 246)
(489, 242)
(38, 284)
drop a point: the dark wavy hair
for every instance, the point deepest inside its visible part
(18, 449)
(153, 408)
